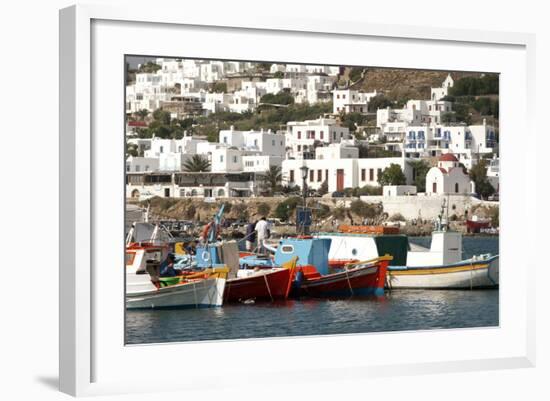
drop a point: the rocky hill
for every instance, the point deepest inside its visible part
(401, 84)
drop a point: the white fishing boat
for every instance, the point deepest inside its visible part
(202, 291)
(439, 267)
(146, 289)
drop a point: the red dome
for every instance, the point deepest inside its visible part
(448, 157)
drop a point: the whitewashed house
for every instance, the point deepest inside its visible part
(351, 101)
(441, 92)
(341, 173)
(302, 136)
(448, 178)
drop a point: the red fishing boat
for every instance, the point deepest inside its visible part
(354, 279)
(268, 284)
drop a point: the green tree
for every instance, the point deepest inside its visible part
(392, 175)
(162, 116)
(272, 179)
(355, 74)
(280, 98)
(279, 74)
(197, 163)
(379, 102)
(286, 208)
(131, 150)
(351, 120)
(478, 174)
(142, 113)
(149, 67)
(219, 87)
(420, 169)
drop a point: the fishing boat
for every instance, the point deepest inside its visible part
(316, 278)
(257, 278)
(272, 283)
(439, 267)
(146, 289)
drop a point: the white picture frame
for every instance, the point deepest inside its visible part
(92, 358)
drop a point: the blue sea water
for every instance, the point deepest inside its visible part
(398, 310)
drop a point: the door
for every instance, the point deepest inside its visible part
(340, 179)
(166, 192)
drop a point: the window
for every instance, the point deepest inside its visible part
(378, 174)
(255, 142)
(363, 174)
(161, 149)
(337, 96)
(456, 187)
(299, 148)
(319, 175)
(273, 142)
(291, 175)
(234, 159)
(321, 135)
(343, 96)
(334, 135)
(371, 174)
(137, 168)
(287, 249)
(326, 174)
(299, 135)
(224, 139)
(311, 175)
(221, 158)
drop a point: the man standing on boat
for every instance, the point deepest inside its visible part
(262, 228)
(250, 236)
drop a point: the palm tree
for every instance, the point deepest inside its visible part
(272, 178)
(197, 163)
(142, 114)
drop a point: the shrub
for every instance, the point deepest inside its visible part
(240, 211)
(339, 212)
(264, 209)
(397, 217)
(286, 208)
(363, 209)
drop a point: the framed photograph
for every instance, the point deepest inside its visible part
(237, 194)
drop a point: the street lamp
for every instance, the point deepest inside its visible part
(304, 170)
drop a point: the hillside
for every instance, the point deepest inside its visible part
(400, 84)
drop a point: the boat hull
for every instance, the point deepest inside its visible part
(361, 281)
(203, 293)
(464, 275)
(270, 285)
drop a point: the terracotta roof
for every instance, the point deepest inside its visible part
(448, 157)
(443, 170)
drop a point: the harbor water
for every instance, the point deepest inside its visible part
(398, 310)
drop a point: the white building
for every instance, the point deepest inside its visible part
(264, 142)
(301, 136)
(398, 190)
(351, 101)
(466, 142)
(341, 173)
(448, 178)
(336, 151)
(141, 164)
(260, 163)
(440, 93)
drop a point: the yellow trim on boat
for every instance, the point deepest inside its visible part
(439, 270)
